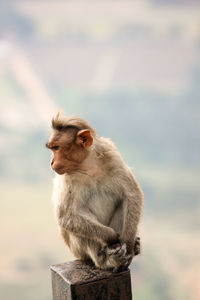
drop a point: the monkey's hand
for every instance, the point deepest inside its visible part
(118, 257)
(113, 240)
(117, 249)
(113, 249)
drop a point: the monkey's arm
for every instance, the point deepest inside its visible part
(85, 225)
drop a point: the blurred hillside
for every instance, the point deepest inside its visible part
(133, 70)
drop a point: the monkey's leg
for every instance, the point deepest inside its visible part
(101, 258)
(116, 221)
(77, 245)
(96, 252)
(87, 250)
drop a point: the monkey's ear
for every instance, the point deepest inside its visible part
(84, 138)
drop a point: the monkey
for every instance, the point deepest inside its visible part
(98, 202)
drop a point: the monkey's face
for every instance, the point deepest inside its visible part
(60, 163)
(69, 150)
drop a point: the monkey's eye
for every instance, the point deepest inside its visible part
(54, 148)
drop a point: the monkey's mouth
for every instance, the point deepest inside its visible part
(60, 170)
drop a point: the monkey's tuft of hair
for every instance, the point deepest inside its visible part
(60, 123)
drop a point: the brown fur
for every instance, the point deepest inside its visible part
(98, 202)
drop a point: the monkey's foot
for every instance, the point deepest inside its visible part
(90, 263)
(137, 246)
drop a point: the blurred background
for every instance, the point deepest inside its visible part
(132, 69)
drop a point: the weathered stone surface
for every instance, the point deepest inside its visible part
(78, 281)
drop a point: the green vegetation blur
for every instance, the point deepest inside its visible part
(132, 69)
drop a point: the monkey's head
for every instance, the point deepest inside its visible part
(69, 143)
